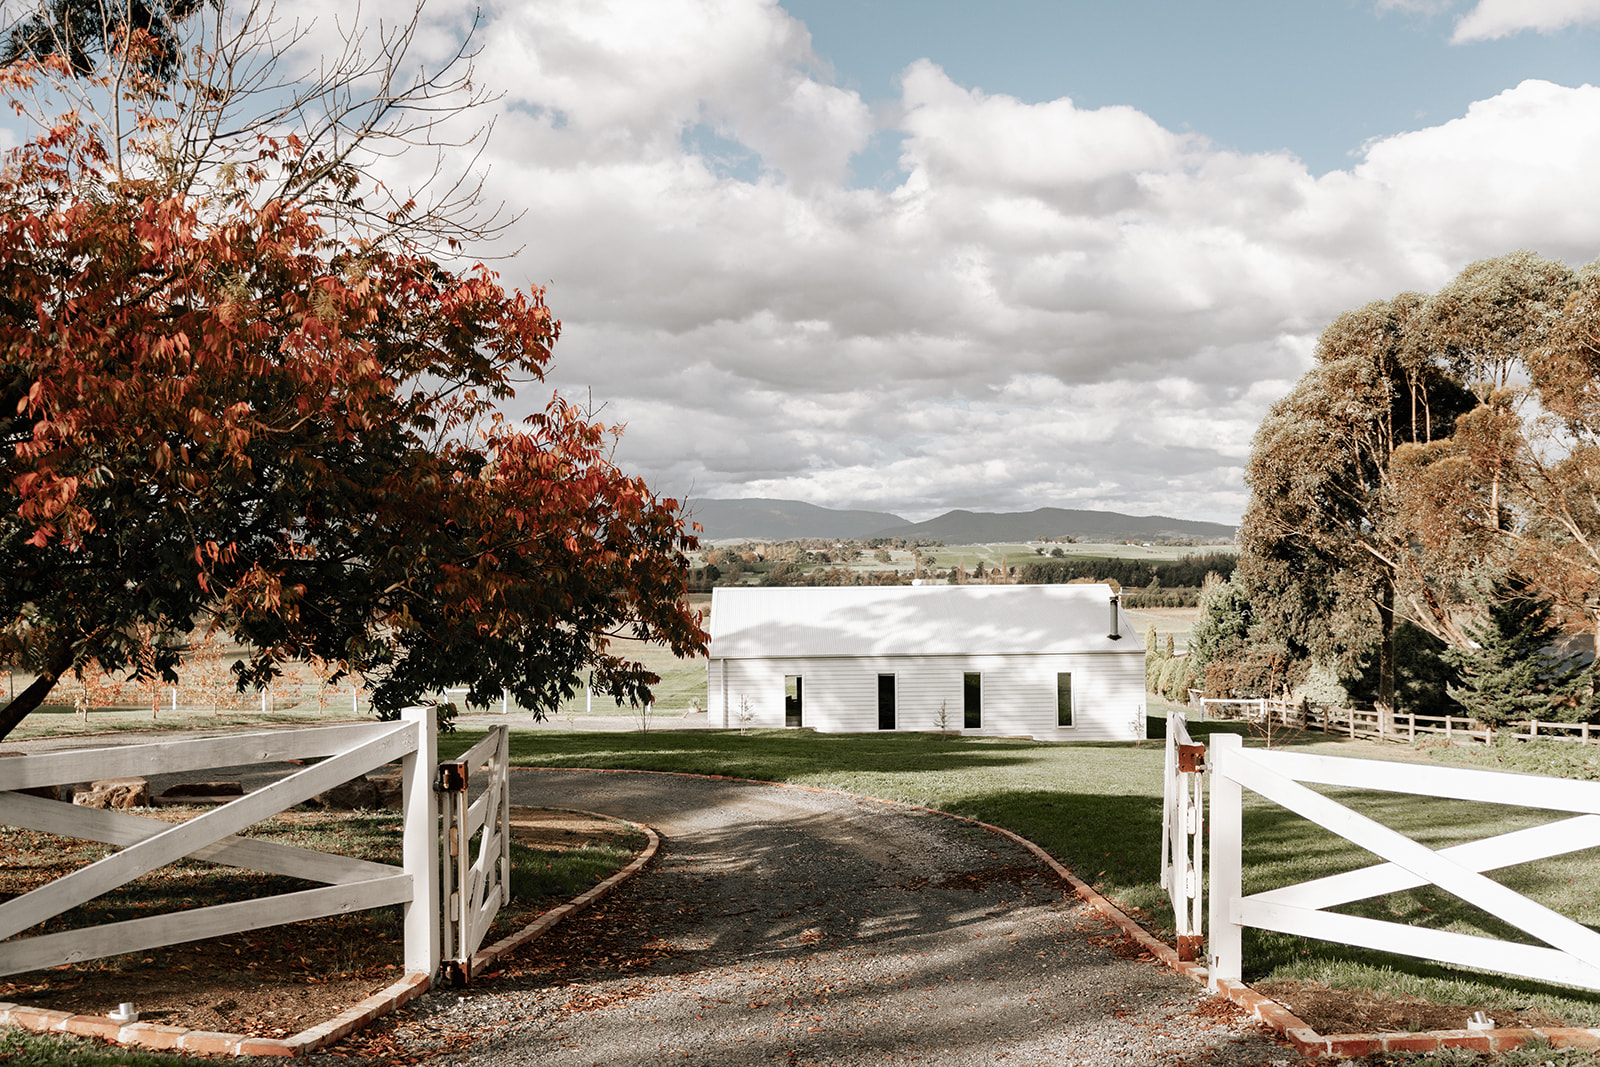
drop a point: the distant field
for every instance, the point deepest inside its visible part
(1175, 621)
(300, 696)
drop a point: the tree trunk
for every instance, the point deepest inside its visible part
(56, 664)
(1385, 700)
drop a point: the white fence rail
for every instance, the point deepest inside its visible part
(1182, 834)
(475, 863)
(148, 844)
(1302, 909)
(1370, 724)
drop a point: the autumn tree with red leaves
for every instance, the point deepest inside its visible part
(234, 398)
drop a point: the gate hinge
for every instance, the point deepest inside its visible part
(452, 778)
(1191, 757)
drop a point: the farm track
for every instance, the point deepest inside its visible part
(789, 926)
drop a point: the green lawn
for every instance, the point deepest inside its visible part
(1097, 807)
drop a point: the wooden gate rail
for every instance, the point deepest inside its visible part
(148, 844)
(474, 880)
(1182, 834)
(1300, 909)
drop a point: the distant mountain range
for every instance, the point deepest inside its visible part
(760, 519)
(787, 520)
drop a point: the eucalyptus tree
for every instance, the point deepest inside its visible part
(1413, 454)
(1517, 484)
(1321, 531)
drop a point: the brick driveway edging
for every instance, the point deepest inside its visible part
(157, 1036)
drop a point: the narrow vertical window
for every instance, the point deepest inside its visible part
(886, 702)
(794, 712)
(1064, 699)
(972, 700)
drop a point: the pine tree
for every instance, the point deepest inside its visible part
(1510, 677)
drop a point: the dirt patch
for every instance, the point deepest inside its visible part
(561, 830)
(267, 983)
(1344, 1011)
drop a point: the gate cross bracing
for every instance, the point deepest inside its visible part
(1301, 909)
(148, 844)
(475, 847)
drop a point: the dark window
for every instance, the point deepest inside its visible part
(972, 700)
(1064, 699)
(794, 712)
(886, 702)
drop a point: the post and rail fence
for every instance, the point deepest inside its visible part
(1370, 724)
(1573, 955)
(472, 877)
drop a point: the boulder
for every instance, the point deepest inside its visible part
(355, 795)
(389, 790)
(204, 789)
(117, 793)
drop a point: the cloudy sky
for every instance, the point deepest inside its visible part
(914, 255)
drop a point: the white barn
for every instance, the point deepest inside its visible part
(1052, 662)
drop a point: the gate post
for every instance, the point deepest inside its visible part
(420, 843)
(1227, 833)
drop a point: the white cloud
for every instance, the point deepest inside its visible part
(1510, 173)
(634, 77)
(1493, 19)
(1056, 305)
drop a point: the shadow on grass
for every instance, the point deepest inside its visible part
(764, 755)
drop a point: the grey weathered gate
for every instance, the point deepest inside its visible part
(475, 852)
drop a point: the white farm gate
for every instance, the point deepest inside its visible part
(475, 864)
(1573, 953)
(1182, 833)
(343, 752)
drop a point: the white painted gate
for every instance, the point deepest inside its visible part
(147, 844)
(1571, 951)
(475, 861)
(1182, 833)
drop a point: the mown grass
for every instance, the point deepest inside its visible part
(1097, 807)
(1533, 1054)
(22, 1048)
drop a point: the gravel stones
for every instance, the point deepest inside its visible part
(787, 926)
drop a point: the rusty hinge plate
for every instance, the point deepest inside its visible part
(452, 778)
(1191, 757)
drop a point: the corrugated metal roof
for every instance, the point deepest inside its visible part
(915, 620)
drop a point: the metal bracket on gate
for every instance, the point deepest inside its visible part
(1191, 757)
(1190, 947)
(458, 974)
(452, 777)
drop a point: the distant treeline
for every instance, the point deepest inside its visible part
(1186, 573)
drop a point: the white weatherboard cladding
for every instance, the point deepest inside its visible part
(840, 693)
(1019, 638)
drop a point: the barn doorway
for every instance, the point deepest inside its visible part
(793, 702)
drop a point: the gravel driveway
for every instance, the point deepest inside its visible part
(782, 926)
